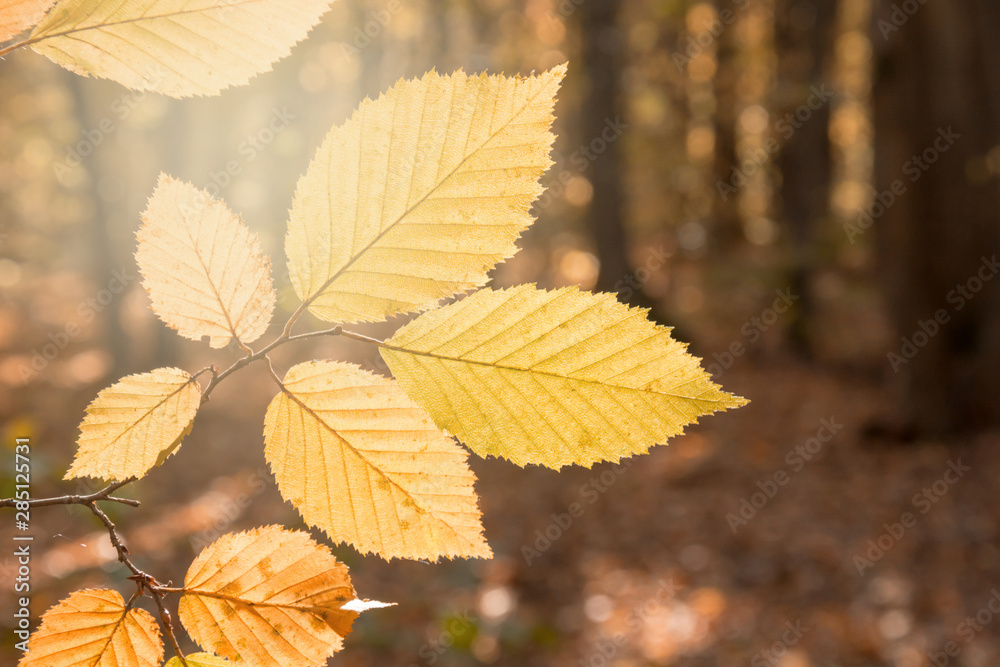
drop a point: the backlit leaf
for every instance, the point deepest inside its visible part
(363, 462)
(91, 628)
(18, 15)
(204, 270)
(175, 47)
(268, 597)
(199, 660)
(420, 193)
(551, 377)
(135, 424)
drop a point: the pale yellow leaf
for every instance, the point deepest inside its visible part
(420, 193)
(551, 377)
(18, 15)
(175, 47)
(91, 628)
(198, 660)
(204, 270)
(268, 597)
(135, 424)
(363, 462)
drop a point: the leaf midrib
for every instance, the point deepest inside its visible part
(441, 357)
(421, 200)
(98, 26)
(145, 415)
(111, 635)
(416, 504)
(205, 268)
(231, 598)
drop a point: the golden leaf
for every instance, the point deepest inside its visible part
(175, 47)
(198, 660)
(420, 193)
(268, 597)
(204, 270)
(360, 460)
(91, 628)
(551, 377)
(18, 15)
(135, 424)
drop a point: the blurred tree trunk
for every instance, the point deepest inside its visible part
(105, 247)
(804, 35)
(602, 55)
(937, 82)
(727, 224)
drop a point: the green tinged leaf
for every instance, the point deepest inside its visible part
(551, 377)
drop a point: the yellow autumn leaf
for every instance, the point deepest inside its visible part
(204, 270)
(551, 377)
(175, 47)
(135, 424)
(18, 15)
(91, 628)
(420, 193)
(198, 660)
(363, 462)
(268, 597)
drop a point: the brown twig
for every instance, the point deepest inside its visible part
(168, 626)
(251, 356)
(145, 582)
(103, 494)
(116, 542)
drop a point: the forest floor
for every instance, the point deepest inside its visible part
(777, 534)
(658, 566)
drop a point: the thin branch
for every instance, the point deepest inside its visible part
(250, 357)
(157, 595)
(144, 580)
(103, 494)
(219, 377)
(339, 331)
(284, 337)
(335, 331)
(116, 542)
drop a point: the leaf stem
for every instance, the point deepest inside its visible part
(362, 337)
(335, 331)
(274, 375)
(339, 331)
(16, 45)
(287, 332)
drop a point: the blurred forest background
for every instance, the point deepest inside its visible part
(807, 190)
